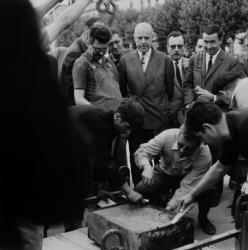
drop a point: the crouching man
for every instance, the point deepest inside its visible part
(106, 131)
(183, 162)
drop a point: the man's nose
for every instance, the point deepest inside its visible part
(143, 40)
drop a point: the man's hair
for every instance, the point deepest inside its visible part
(189, 136)
(224, 79)
(200, 113)
(91, 21)
(132, 112)
(213, 28)
(174, 34)
(101, 33)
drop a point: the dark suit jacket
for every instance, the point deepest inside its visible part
(178, 99)
(153, 89)
(197, 74)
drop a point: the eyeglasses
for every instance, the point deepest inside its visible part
(180, 46)
(186, 148)
(99, 50)
(155, 40)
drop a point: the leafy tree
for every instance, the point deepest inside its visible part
(230, 15)
(70, 34)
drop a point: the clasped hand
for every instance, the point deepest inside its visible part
(203, 94)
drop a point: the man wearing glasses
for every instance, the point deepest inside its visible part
(176, 50)
(95, 77)
(182, 164)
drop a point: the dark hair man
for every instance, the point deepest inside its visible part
(95, 77)
(227, 131)
(204, 69)
(148, 76)
(105, 127)
(76, 49)
(211, 63)
(116, 49)
(183, 162)
(176, 49)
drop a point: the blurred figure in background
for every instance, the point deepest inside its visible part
(199, 46)
(46, 173)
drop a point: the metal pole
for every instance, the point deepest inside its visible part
(244, 232)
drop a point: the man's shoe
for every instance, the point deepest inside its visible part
(206, 226)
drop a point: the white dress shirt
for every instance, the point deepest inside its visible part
(213, 59)
(180, 63)
(146, 58)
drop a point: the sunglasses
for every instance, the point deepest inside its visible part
(154, 41)
(177, 45)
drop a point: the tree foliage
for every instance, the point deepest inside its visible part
(230, 15)
(188, 16)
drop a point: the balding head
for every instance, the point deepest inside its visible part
(143, 34)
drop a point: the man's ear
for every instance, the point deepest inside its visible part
(207, 127)
(117, 117)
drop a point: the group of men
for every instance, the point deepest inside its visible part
(98, 74)
(114, 98)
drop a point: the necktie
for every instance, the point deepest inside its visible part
(178, 74)
(210, 63)
(142, 61)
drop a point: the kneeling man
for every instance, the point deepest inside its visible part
(183, 162)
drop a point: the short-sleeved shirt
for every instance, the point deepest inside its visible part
(83, 74)
(237, 122)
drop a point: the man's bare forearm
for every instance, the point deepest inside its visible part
(215, 173)
(66, 19)
(45, 6)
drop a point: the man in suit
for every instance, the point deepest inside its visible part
(175, 47)
(205, 67)
(147, 75)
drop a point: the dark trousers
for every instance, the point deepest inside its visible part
(167, 184)
(136, 138)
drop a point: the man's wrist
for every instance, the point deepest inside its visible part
(214, 98)
(146, 166)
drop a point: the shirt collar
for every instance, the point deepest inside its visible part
(179, 62)
(147, 54)
(213, 56)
